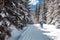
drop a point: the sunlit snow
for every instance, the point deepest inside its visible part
(35, 32)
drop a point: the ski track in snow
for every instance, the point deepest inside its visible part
(35, 32)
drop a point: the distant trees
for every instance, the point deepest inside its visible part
(41, 11)
(37, 12)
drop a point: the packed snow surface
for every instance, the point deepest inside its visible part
(35, 32)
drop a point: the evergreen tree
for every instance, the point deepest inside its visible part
(15, 12)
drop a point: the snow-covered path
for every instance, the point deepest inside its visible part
(33, 33)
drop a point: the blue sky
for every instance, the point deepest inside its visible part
(34, 2)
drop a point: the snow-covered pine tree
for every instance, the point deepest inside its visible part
(13, 12)
(53, 12)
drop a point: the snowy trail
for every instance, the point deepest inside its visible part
(33, 33)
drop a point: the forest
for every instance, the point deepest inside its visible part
(19, 14)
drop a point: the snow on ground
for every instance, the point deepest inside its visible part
(35, 32)
(15, 33)
(54, 33)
